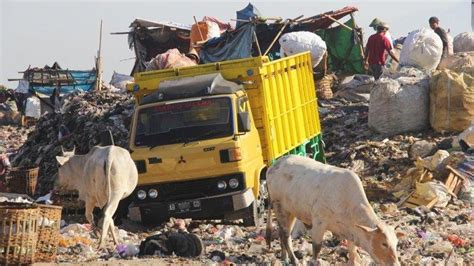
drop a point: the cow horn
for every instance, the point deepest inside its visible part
(62, 149)
(366, 228)
(74, 150)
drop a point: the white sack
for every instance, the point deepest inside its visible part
(301, 41)
(33, 107)
(422, 49)
(399, 105)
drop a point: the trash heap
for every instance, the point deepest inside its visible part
(12, 137)
(85, 116)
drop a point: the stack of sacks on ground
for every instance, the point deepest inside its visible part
(400, 102)
(452, 93)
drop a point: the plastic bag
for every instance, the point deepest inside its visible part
(301, 41)
(464, 42)
(432, 189)
(120, 81)
(422, 49)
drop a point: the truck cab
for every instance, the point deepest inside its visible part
(198, 156)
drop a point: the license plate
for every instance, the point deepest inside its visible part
(185, 206)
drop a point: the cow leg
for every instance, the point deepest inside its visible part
(354, 258)
(89, 212)
(286, 221)
(112, 231)
(317, 234)
(107, 221)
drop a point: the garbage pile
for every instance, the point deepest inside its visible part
(430, 236)
(12, 137)
(82, 119)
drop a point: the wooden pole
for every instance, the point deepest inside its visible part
(338, 22)
(258, 45)
(276, 37)
(199, 29)
(99, 61)
(359, 38)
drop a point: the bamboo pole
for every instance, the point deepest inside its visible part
(258, 45)
(359, 38)
(276, 37)
(338, 22)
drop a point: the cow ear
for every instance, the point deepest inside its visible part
(400, 235)
(366, 228)
(61, 160)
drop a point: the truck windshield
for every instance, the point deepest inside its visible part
(183, 122)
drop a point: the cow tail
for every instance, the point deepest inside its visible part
(268, 235)
(107, 169)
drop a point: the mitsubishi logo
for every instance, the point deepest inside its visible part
(181, 159)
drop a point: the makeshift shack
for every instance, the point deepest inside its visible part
(149, 38)
(253, 35)
(43, 81)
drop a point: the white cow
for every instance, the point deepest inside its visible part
(324, 198)
(103, 177)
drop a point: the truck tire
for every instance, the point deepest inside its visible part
(252, 217)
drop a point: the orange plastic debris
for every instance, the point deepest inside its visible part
(456, 241)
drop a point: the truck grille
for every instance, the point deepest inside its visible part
(191, 189)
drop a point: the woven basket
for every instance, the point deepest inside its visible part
(23, 180)
(48, 233)
(18, 233)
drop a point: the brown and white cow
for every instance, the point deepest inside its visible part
(103, 177)
(324, 198)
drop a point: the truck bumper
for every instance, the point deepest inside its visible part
(214, 207)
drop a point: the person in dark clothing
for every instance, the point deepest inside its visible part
(56, 99)
(434, 24)
(375, 51)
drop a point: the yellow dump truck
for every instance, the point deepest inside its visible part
(202, 137)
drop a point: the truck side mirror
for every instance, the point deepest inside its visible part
(243, 120)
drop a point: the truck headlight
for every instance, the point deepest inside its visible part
(141, 194)
(233, 183)
(221, 185)
(153, 193)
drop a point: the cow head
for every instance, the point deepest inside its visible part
(64, 178)
(381, 243)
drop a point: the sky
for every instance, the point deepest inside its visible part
(37, 33)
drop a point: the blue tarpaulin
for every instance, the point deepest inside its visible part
(231, 45)
(81, 81)
(246, 14)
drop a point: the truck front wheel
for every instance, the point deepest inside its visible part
(252, 217)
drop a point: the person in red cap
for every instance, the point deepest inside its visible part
(375, 51)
